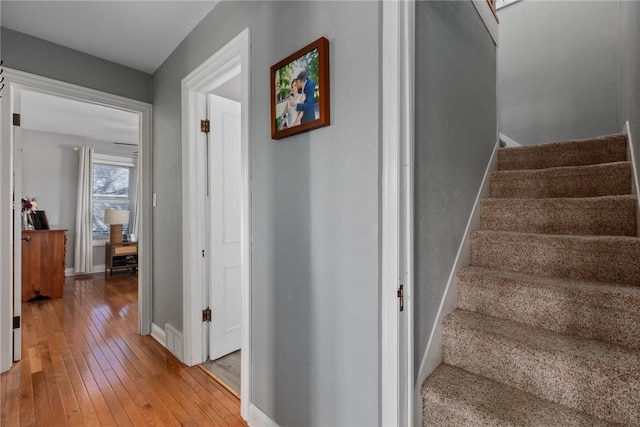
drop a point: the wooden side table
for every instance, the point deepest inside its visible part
(121, 256)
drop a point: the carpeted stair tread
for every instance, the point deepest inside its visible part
(605, 311)
(592, 376)
(455, 397)
(605, 215)
(547, 330)
(607, 179)
(613, 259)
(610, 148)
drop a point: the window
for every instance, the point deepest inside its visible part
(113, 181)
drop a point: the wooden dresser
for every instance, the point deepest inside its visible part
(43, 262)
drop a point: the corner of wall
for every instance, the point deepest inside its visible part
(433, 353)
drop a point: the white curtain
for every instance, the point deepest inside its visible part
(83, 255)
(136, 200)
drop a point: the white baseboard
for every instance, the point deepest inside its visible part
(159, 334)
(433, 353)
(257, 418)
(635, 184)
(70, 271)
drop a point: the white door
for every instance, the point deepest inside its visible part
(224, 263)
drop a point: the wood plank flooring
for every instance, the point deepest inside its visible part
(226, 370)
(84, 364)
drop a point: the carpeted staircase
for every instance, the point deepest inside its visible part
(547, 330)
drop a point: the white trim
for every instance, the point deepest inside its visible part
(397, 218)
(15, 80)
(69, 271)
(213, 72)
(257, 418)
(6, 239)
(433, 353)
(508, 142)
(159, 334)
(489, 20)
(634, 166)
(124, 160)
(504, 3)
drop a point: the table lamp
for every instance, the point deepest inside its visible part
(116, 217)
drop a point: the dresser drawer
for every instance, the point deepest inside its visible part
(124, 250)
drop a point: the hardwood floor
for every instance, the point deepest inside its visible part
(84, 364)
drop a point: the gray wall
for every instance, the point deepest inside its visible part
(33, 55)
(454, 136)
(50, 174)
(558, 70)
(315, 204)
(630, 70)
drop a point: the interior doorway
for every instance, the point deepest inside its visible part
(216, 231)
(19, 83)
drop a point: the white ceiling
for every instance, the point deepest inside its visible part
(47, 113)
(138, 34)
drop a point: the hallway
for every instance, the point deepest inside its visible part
(83, 363)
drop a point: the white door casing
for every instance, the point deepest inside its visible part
(397, 384)
(224, 225)
(215, 71)
(15, 81)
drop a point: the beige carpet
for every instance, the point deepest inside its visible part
(547, 330)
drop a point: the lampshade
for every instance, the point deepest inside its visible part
(116, 216)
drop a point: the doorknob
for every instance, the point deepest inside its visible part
(27, 238)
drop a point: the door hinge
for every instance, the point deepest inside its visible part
(205, 125)
(203, 253)
(16, 119)
(206, 315)
(401, 296)
(16, 322)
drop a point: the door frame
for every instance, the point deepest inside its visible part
(396, 341)
(14, 81)
(219, 68)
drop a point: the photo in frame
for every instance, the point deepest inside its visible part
(39, 220)
(300, 91)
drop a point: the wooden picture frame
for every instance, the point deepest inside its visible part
(39, 220)
(293, 80)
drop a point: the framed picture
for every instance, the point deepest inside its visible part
(39, 219)
(300, 91)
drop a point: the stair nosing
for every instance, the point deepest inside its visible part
(551, 342)
(535, 281)
(577, 237)
(453, 394)
(579, 170)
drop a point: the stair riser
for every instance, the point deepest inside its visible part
(586, 386)
(586, 152)
(611, 180)
(561, 216)
(550, 309)
(437, 414)
(604, 260)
